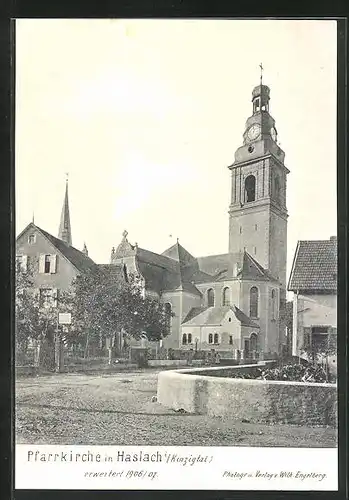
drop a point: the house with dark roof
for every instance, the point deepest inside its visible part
(231, 301)
(313, 281)
(53, 261)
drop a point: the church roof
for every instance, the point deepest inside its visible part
(214, 316)
(179, 253)
(214, 264)
(177, 270)
(243, 318)
(161, 275)
(79, 260)
(314, 266)
(234, 265)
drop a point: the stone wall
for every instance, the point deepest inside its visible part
(206, 391)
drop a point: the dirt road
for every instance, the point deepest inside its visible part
(117, 409)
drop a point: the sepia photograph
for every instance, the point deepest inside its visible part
(176, 235)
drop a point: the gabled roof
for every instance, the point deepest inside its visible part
(177, 270)
(314, 266)
(180, 254)
(214, 264)
(208, 316)
(79, 260)
(214, 316)
(234, 265)
(164, 273)
(252, 269)
(194, 311)
(156, 259)
(243, 318)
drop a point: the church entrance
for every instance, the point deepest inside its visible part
(250, 346)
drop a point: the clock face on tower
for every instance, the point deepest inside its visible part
(254, 132)
(273, 134)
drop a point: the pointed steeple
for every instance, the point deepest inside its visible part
(84, 250)
(64, 232)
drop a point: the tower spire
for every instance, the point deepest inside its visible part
(261, 66)
(64, 232)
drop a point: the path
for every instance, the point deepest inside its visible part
(116, 409)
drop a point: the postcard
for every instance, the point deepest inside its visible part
(176, 254)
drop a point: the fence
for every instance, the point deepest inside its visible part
(76, 357)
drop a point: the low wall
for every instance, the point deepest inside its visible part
(201, 391)
(24, 371)
(167, 362)
(173, 362)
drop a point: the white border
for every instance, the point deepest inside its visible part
(176, 468)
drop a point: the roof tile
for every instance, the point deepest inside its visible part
(314, 266)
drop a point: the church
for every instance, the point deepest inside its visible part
(233, 301)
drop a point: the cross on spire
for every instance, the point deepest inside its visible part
(261, 66)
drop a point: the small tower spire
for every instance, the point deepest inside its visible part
(64, 232)
(261, 66)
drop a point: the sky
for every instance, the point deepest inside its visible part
(146, 115)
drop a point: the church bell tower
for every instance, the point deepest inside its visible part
(258, 213)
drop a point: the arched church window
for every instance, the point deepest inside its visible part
(210, 338)
(168, 315)
(190, 338)
(254, 302)
(184, 339)
(226, 296)
(216, 338)
(210, 297)
(250, 188)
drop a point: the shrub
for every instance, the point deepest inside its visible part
(142, 360)
(292, 372)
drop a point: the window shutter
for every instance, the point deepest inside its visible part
(53, 264)
(42, 263)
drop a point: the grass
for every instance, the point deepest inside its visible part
(117, 409)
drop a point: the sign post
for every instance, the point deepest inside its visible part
(62, 319)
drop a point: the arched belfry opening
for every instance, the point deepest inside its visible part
(250, 188)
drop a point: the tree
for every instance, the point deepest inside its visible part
(319, 349)
(36, 316)
(286, 322)
(105, 305)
